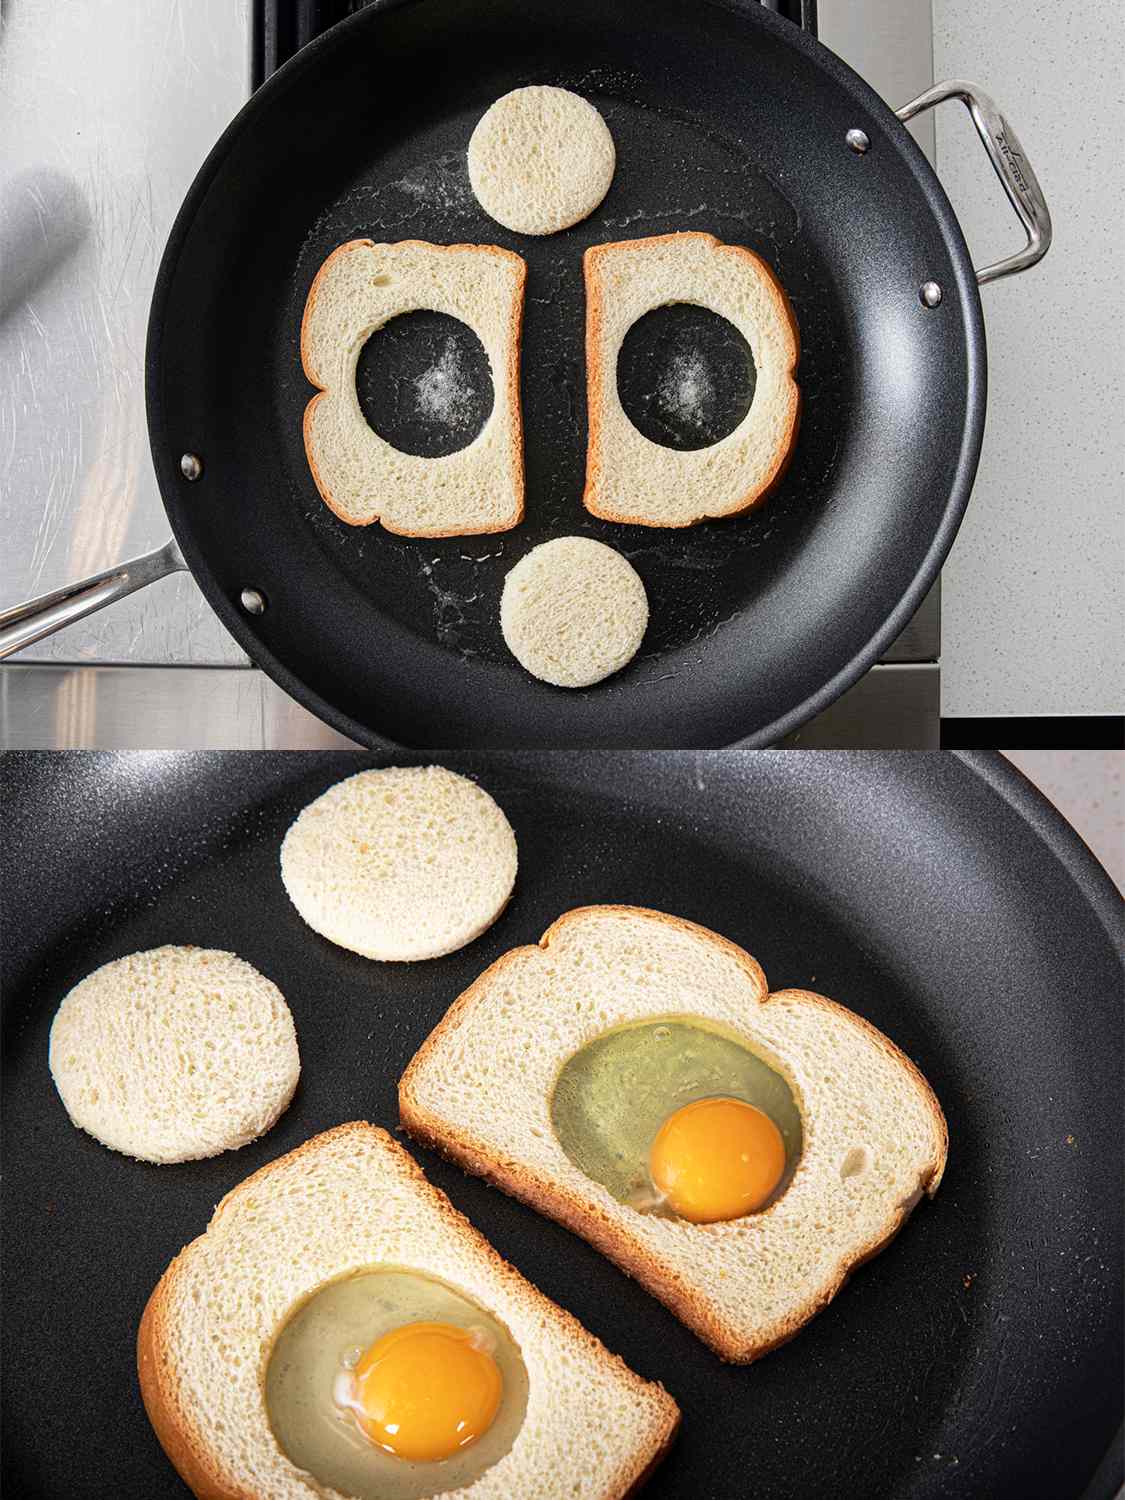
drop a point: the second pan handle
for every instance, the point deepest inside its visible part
(1012, 168)
(24, 624)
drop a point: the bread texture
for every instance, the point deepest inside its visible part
(540, 160)
(573, 611)
(400, 864)
(874, 1135)
(175, 1053)
(629, 477)
(360, 476)
(347, 1200)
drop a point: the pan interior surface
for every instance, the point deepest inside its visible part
(974, 943)
(724, 122)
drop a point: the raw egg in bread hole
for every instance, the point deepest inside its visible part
(387, 1384)
(679, 1117)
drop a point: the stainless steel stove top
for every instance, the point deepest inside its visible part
(106, 112)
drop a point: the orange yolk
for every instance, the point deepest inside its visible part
(426, 1390)
(717, 1159)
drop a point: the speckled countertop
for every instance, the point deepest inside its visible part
(1034, 589)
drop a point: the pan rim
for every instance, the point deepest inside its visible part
(1005, 778)
(967, 300)
(1100, 893)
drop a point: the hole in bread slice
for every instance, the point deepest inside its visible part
(745, 1285)
(630, 477)
(685, 376)
(423, 384)
(360, 289)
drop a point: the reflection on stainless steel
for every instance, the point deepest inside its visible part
(24, 624)
(159, 708)
(236, 708)
(43, 220)
(921, 640)
(895, 707)
(106, 111)
(1010, 163)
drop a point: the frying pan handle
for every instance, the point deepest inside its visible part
(1012, 168)
(24, 624)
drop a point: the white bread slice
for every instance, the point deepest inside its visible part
(629, 477)
(540, 160)
(175, 1053)
(573, 611)
(874, 1135)
(360, 476)
(345, 1200)
(405, 863)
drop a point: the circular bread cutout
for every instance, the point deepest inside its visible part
(540, 160)
(174, 1054)
(573, 611)
(424, 385)
(400, 864)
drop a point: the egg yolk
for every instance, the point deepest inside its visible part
(716, 1159)
(426, 1390)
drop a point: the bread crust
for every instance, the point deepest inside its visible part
(605, 1233)
(184, 1445)
(600, 381)
(515, 346)
(187, 1447)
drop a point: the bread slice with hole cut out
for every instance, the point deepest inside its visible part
(479, 1090)
(360, 476)
(346, 1200)
(630, 478)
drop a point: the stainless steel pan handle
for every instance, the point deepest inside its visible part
(24, 624)
(1012, 168)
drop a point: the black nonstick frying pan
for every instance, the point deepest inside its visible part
(726, 119)
(941, 897)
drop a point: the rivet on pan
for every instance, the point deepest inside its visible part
(191, 466)
(858, 141)
(930, 293)
(253, 602)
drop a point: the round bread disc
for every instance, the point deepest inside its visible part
(400, 864)
(540, 160)
(573, 611)
(174, 1054)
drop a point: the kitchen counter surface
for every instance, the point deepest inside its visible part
(1034, 589)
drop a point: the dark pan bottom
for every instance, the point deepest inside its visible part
(980, 1355)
